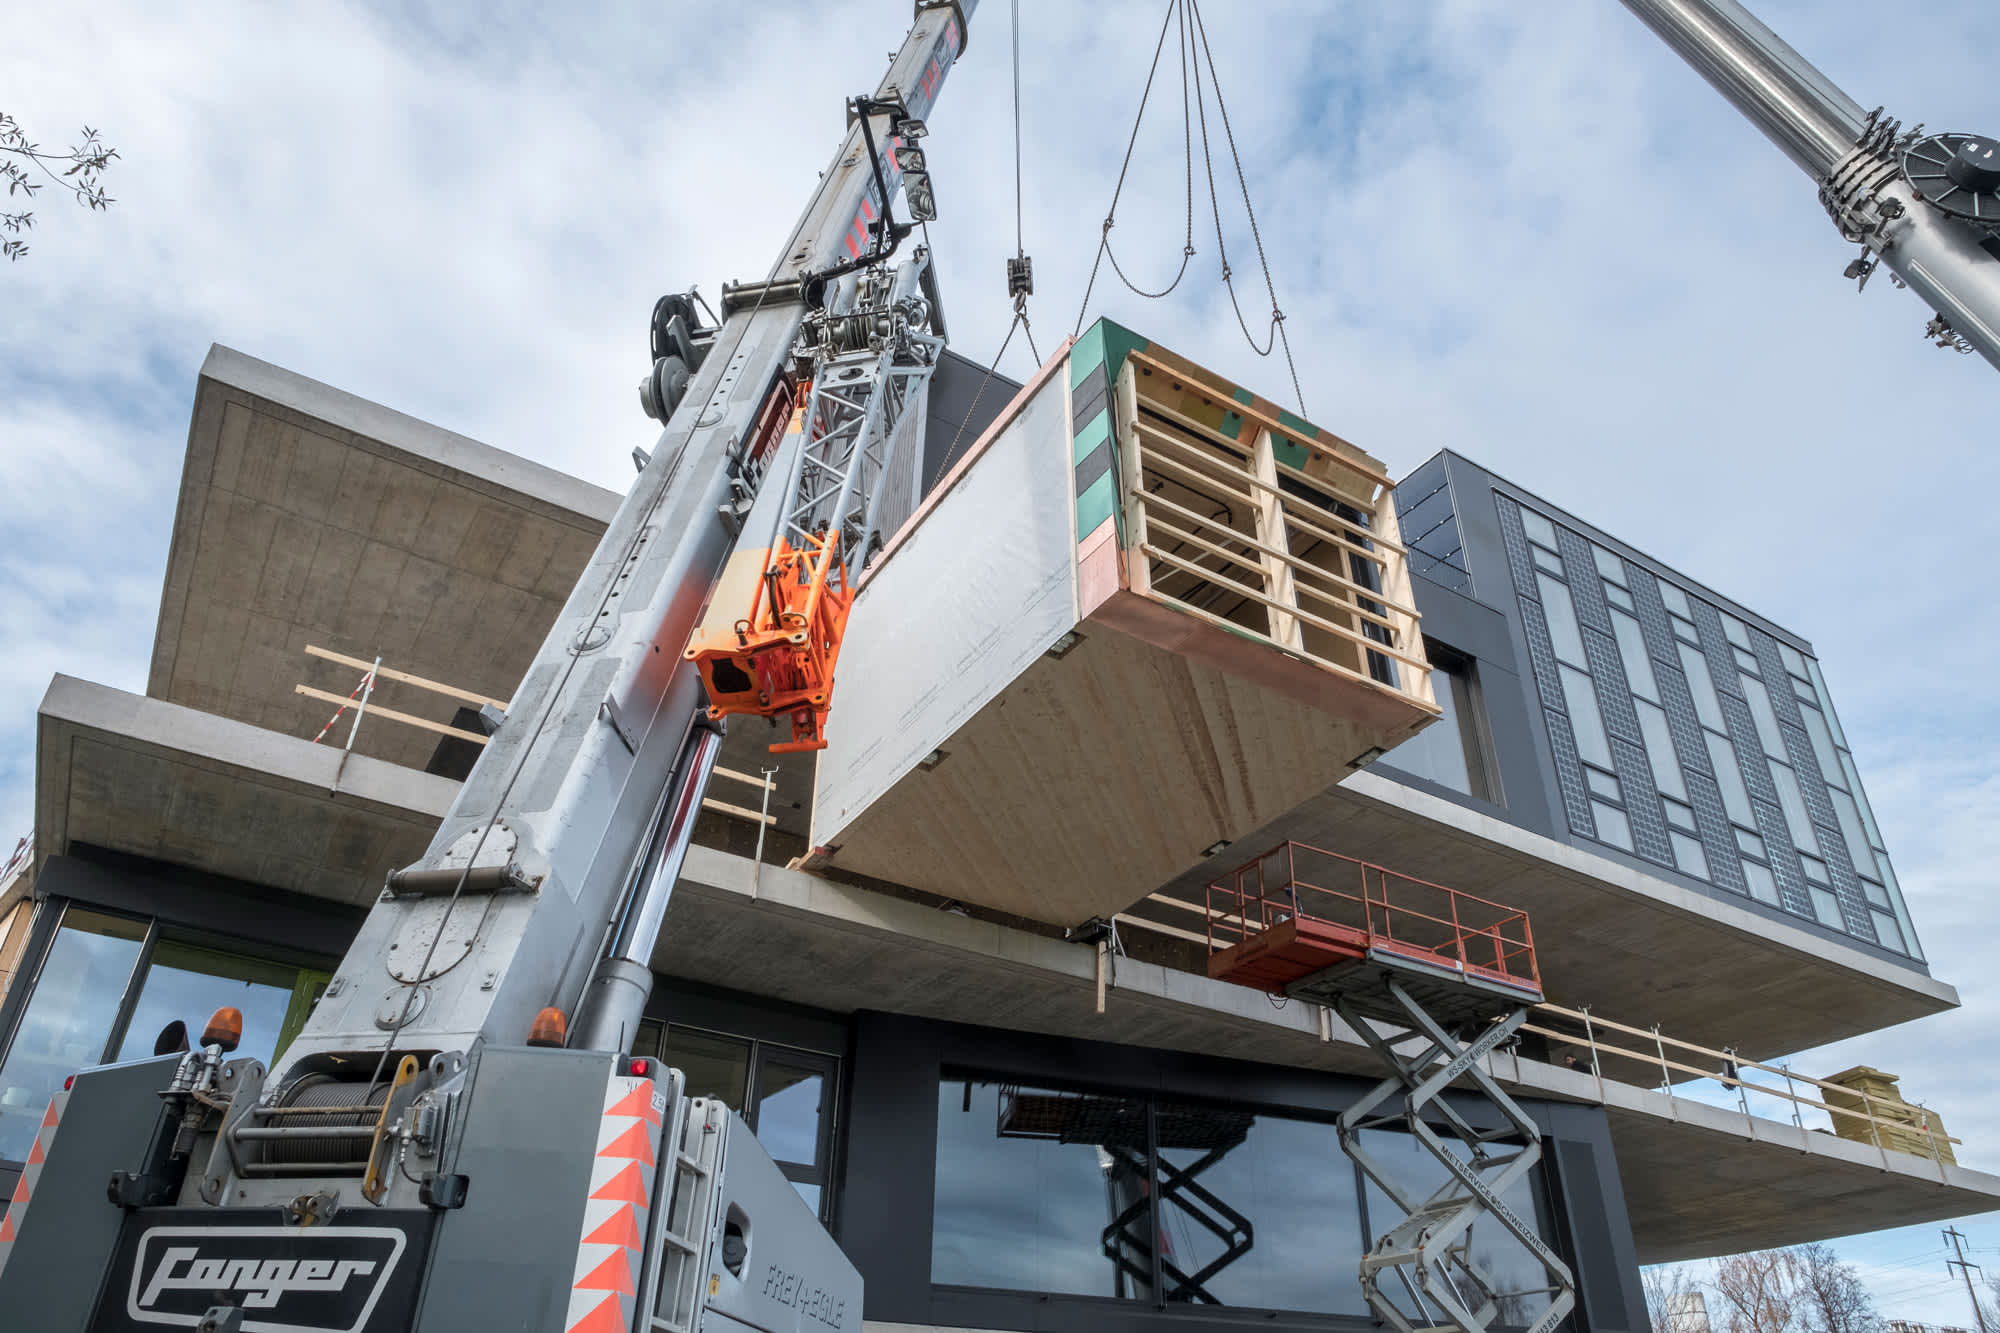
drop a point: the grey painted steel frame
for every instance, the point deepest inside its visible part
(889, 1175)
(560, 774)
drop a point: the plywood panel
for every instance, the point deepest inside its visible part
(1096, 777)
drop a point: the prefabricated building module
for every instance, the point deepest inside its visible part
(1145, 614)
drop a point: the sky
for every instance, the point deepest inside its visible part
(1521, 230)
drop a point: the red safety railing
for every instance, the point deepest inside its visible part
(1381, 908)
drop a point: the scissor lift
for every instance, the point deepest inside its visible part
(1433, 980)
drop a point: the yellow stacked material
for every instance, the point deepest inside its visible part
(1875, 1093)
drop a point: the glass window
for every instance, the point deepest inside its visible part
(1735, 798)
(1762, 887)
(1909, 931)
(1040, 1190)
(1875, 893)
(1609, 565)
(1688, 854)
(68, 1019)
(1499, 1258)
(1793, 802)
(1685, 631)
(1632, 650)
(1602, 783)
(188, 983)
(716, 1066)
(1751, 844)
(1826, 702)
(1822, 743)
(1745, 661)
(1612, 825)
(1258, 1203)
(1860, 799)
(1660, 750)
(1794, 663)
(1679, 814)
(1591, 742)
(1676, 601)
(1804, 691)
(1538, 528)
(1617, 596)
(1735, 631)
(1767, 720)
(791, 1105)
(1815, 870)
(1702, 686)
(1850, 826)
(1451, 751)
(1563, 631)
(1548, 560)
(1826, 907)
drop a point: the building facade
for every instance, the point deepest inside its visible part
(1652, 771)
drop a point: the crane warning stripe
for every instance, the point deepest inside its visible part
(611, 1246)
(31, 1175)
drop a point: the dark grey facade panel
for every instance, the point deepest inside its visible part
(1519, 561)
(1429, 523)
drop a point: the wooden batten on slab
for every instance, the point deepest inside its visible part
(1148, 613)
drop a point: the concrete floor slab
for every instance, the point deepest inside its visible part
(308, 515)
(795, 937)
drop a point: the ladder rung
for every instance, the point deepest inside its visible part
(676, 1241)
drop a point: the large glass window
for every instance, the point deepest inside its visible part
(1581, 697)
(1453, 751)
(106, 989)
(68, 1019)
(1564, 633)
(1660, 750)
(1702, 686)
(1061, 1192)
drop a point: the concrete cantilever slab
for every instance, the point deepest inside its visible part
(796, 937)
(1626, 943)
(140, 775)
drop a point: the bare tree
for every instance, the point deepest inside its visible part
(1759, 1292)
(1673, 1298)
(1831, 1297)
(23, 163)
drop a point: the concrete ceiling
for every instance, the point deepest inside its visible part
(798, 938)
(310, 516)
(139, 775)
(1628, 945)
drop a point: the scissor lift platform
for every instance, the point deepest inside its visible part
(1432, 979)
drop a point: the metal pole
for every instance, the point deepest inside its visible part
(1957, 1240)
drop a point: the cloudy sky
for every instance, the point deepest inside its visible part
(1522, 230)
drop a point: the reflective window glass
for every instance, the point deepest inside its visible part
(1745, 661)
(1591, 742)
(1702, 686)
(1029, 1182)
(1751, 844)
(1685, 631)
(1688, 854)
(1632, 651)
(1822, 744)
(1794, 662)
(1676, 600)
(1735, 797)
(1548, 560)
(1612, 825)
(1499, 1258)
(1660, 750)
(68, 1019)
(1805, 692)
(1875, 893)
(1438, 752)
(1617, 596)
(1890, 931)
(791, 1099)
(1826, 702)
(1563, 631)
(1793, 802)
(1915, 949)
(1766, 720)
(1602, 783)
(1850, 826)
(1679, 814)
(1257, 1203)
(1538, 528)
(716, 1066)
(1735, 631)
(188, 984)
(1826, 907)
(1860, 799)
(1609, 565)
(1815, 870)
(1762, 887)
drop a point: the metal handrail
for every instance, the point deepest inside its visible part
(1269, 889)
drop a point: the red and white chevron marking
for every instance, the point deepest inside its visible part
(611, 1252)
(31, 1176)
